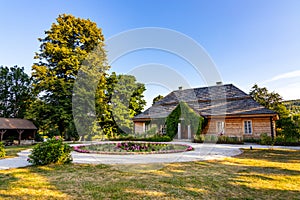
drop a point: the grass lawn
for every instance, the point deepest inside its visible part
(256, 174)
(11, 151)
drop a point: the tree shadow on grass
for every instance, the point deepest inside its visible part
(23, 183)
(248, 176)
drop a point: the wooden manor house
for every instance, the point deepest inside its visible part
(228, 111)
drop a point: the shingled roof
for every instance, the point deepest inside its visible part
(208, 101)
(13, 123)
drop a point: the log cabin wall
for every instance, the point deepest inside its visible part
(234, 127)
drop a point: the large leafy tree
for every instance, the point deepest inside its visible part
(15, 92)
(286, 125)
(124, 100)
(62, 52)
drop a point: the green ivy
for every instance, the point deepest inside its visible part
(190, 118)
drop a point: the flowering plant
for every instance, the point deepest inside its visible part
(133, 148)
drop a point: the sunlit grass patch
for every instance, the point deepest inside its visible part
(24, 184)
(256, 174)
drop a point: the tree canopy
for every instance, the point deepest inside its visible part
(157, 98)
(61, 54)
(15, 92)
(286, 124)
(75, 92)
(124, 100)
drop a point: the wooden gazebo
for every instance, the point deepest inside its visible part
(21, 129)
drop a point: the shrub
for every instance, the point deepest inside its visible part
(2, 150)
(122, 138)
(157, 138)
(211, 138)
(199, 138)
(286, 141)
(51, 151)
(152, 131)
(38, 138)
(265, 139)
(230, 140)
(252, 140)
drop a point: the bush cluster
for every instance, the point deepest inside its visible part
(286, 141)
(280, 140)
(2, 150)
(51, 151)
(218, 139)
(230, 140)
(265, 139)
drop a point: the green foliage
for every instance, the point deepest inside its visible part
(211, 138)
(189, 116)
(218, 139)
(252, 140)
(123, 100)
(152, 131)
(15, 92)
(155, 99)
(230, 140)
(158, 138)
(265, 139)
(62, 52)
(154, 138)
(51, 151)
(199, 138)
(293, 106)
(265, 98)
(287, 124)
(286, 141)
(2, 150)
(288, 127)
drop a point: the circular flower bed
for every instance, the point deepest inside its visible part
(133, 148)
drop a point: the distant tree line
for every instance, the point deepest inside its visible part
(288, 124)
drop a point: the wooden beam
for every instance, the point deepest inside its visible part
(2, 133)
(20, 135)
(272, 127)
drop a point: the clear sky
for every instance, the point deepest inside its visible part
(250, 41)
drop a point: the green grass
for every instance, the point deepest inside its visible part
(256, 174)
(11, 151)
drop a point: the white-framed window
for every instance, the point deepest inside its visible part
(248, 127)
(221, 127)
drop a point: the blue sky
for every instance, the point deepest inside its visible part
(250, 41)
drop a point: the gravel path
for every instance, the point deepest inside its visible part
(201, 152)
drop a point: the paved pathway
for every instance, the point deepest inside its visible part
(202, 152)
(16, 162)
